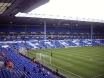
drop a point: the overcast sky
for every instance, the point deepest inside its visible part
(76, 8)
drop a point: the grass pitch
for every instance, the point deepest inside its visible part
(78, 62)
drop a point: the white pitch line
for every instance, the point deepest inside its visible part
(88, 58)
(77, 56)
(74, 55)
(65, 65)
(67, 71)
(82, 56)
(97, 76)
(61, 60)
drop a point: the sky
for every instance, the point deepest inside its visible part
(93, 9)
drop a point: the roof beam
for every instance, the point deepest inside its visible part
(32, 4)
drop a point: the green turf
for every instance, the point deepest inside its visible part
(78, 62)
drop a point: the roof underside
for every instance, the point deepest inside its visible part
(9, 8)
(49, 22)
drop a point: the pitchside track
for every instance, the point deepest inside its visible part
(79, 62)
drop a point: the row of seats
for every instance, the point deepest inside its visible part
(41, 44)
(32, 43)
(50, 29)
(19, 63)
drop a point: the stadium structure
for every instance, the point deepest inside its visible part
(62, 47)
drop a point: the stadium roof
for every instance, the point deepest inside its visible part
(81, 10)
(14, 6)
(9, 8)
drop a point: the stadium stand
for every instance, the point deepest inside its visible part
(32, 37)
(19, 63)
(69, 37)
